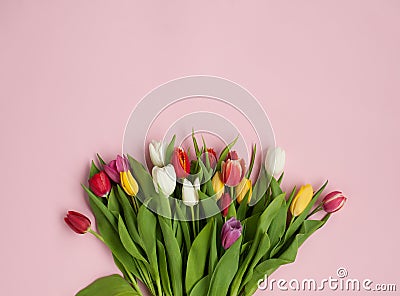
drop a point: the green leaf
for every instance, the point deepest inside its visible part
(213, 257)
(143, 178)
(111, 238)
(289, 254)
(147, 223)
(113, 205)
(225, 270)
(113, 285)
(263, 224)
(197, 258)
(201, 288)
(260, 188)
(170, 150)
(242, 210)
(250, 227)
(101, 161)
(127, 241)
(95, 200)
(196, 146)
(275, 188)
(173, 256)
(130, 217)
(162, 259)
(253, 157)
(93, 170)
(225, 152)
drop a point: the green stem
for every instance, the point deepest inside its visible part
(193, 222)
(96, 234)
(134, 283)
(316, 210)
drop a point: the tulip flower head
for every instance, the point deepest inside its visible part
(233, 170)
(301, 200)
(242, 188)
(128, 183)
(180, 161)
(157, 153)
(112, 172)
(231, 231)
(333, 201)
(77, 222)
(190, 194)
(217, 185)
(100, 184)
(275, 161)
(225, 202)
(164, 179)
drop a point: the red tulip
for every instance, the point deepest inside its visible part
(333, 201)
(100, 184)
(225, 201)
(233, 171)
(77, 222)
(212, 157)
(180, 161)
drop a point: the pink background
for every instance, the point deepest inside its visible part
(326, 72)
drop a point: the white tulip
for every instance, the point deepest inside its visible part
(164, 179)
(157, 153)
(190, 194)
(275, 161)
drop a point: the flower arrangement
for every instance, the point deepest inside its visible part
(200, 226)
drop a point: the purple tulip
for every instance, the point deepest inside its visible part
(122, 164)
(112, 172)
(230, 233)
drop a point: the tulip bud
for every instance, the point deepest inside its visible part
(225, 202)
(180, 161)
(301, 200)
(128, 183)
(241, 190)
(112, 172)
(157, 153)
(275, 161)
(232, 155)
(233, 171)
(333, 201)
(190, 194)
(231, 231)
(217, 185)
(164, 179)
(100, 184)
(212, 157)
(77, 222)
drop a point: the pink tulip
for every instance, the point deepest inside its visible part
(77, 222)
(212, 158)
(112, 172)
(333, 201)
(100, 184)
(231, 231)
(122, 164)
(180, 161)
(233, 171)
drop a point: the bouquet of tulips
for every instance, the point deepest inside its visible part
(198, 227)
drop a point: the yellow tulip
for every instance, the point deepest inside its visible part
(242, 188)
(129, 184)
(217, 185)
(301, 200)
